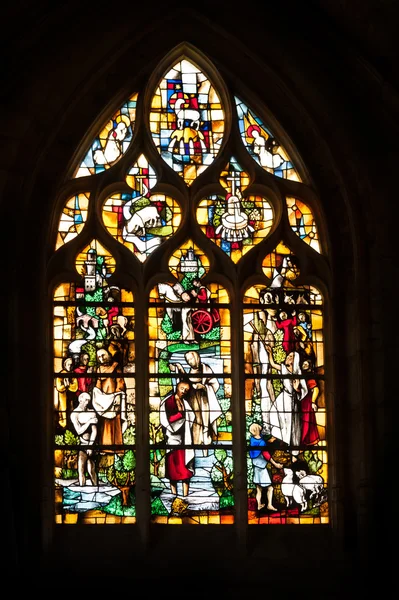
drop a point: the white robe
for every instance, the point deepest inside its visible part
(210, 411)
(265, 400)
(283, 426)
(109, 405)
(259, 353)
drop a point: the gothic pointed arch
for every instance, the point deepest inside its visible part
(189, 345)
(69, 77)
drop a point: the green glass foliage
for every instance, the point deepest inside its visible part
(222, 472)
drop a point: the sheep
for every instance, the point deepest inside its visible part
(311, 483)
(292, 491)
(143, 218)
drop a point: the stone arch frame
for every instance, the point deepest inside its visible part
(142, 277)
(39, 186)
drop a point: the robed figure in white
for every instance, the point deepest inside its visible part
(202, 398)
(285, 413)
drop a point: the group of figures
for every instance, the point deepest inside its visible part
(190, 395)
(285, 394)
(92, 402)
(93, 399)
(284, 354)
(189, 417)
(191, 401)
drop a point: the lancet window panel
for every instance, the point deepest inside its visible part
(218, 357)
(94, 394)
(190, 396)
(285, 405)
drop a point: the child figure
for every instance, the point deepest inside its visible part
(260, 458)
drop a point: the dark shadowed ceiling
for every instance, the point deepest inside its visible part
(368, 27)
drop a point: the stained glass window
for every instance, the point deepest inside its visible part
(303, 222)
(234, 221)
(262, 145)
(111, 142)
(72, 219)
(94, 394)
(141, 220)
(190, 395)
(188, 321)
(187, 120)
(284, 396)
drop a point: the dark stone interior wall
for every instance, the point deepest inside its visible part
(319, 77)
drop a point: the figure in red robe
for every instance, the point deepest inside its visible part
(287, 324)
(84, 383)
(310, 432)
(177, 420)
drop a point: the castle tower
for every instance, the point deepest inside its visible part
(90, 277)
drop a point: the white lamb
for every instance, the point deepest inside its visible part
(186, 114)
(292, 491)
(311, 483)
(143, 218)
